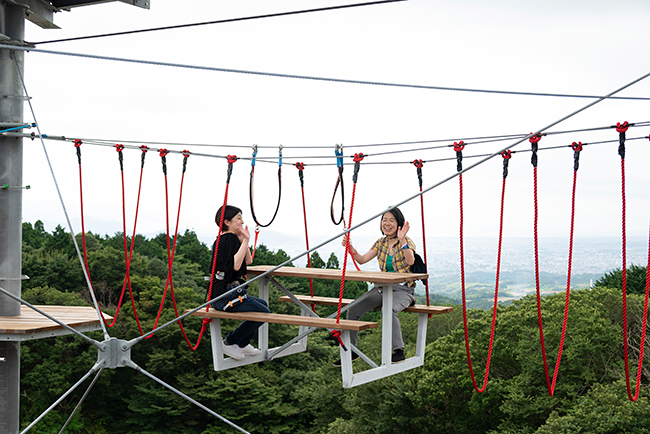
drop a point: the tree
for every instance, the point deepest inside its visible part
(316, 260)
(333, 262)
(35, 236)
(635, 278)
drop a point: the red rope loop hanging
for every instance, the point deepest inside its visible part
(251, 189)
(621, 151)
(357, 164)
(506, 158)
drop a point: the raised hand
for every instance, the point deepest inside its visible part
(402, 231)
(244, 234)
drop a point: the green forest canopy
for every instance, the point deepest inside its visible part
(302, 393)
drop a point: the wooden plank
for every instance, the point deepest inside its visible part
(330, 301)
(29, 321)
(331, 274)
(278, 318)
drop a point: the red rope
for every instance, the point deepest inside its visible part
(127, 256)
(357, 162)
(257, 233)
(621, 128)
(77, 144)
(506, 156)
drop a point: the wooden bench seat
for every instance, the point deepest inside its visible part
(330, 301)
(278, 318)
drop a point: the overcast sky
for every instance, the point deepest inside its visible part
(579, 47)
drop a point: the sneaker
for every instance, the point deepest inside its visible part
(398, 356)
(249, 350)
(233, 351)
(355, 356)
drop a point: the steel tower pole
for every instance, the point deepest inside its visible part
(12, 24)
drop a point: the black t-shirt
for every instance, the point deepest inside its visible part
(228, 246)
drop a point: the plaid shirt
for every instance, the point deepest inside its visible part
(399, 259)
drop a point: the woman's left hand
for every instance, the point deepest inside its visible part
(244, 234)
(401, 232)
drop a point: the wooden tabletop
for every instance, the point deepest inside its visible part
(332, 274)
(30, 321)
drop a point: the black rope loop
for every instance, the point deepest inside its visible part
(251, 194)
(338, 151)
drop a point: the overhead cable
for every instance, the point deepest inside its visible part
(228, 20)
(314, 78)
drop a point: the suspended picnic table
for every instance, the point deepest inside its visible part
(31, 325)
(309, 322)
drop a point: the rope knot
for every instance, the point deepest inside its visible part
(119, 147)
(300, 166)
(507, 154)
(418, 164)
(232, 158)
(163, 152)
(186, 153)
(337, 336)
(77, 143)
(358, 158)
(621, 128)
(535, 139)
(144, 148)
(459, 146)
(576, 146)
(207, 321)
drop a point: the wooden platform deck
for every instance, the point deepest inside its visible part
(32, 325)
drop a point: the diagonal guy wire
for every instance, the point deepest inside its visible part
(95, 367)
(132, 365)
(65, 211)
(81, 400)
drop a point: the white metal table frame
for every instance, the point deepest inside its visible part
(349, 378)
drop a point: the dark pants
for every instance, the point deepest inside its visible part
(244, 333)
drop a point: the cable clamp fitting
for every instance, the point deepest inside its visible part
(507, 154)
(622, 127)
(232, 158)
(576, 146)
(254, 155)
(9, 187)
(418, 164)
(535, 138)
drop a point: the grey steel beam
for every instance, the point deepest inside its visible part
(12, 25)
